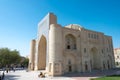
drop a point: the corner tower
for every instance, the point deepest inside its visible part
(55, 50)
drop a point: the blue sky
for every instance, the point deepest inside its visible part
(19, 19)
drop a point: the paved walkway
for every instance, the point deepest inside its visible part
(33, 75)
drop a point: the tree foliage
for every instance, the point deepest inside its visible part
(8, 57)
(24, 61)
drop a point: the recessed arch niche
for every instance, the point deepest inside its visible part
(42, 47)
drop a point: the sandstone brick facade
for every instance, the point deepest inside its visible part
(71, 48)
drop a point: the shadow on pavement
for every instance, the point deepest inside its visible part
(11, 77)
(96, 73)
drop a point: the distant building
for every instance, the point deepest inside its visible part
(72, 48)
(117, 56)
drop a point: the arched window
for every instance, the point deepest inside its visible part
(69, 62)
(84, 50)
(86, 66)
(70, 41)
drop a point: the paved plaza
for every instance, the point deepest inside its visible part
(33, 75)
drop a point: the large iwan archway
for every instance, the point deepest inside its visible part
(70, 42)
(42, 53)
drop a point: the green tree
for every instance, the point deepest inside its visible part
(15, 57)
(8, 57)
(4, 56)
(24, 61)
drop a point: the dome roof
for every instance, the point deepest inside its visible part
(75, 26)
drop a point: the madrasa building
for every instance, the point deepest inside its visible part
(72, 48)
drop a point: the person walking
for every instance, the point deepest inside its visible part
(3, 75)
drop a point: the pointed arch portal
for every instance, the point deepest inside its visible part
(42, 53)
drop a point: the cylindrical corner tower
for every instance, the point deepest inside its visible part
(55, 50)
(32, 55)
